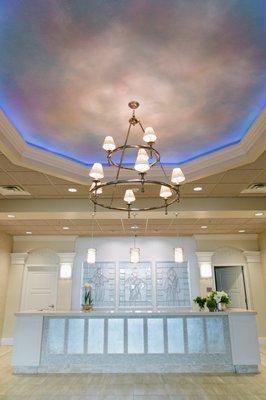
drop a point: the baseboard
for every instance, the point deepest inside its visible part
(262, 340)
(6, 341)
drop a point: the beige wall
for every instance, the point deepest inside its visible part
(5, 250)
(60, 244)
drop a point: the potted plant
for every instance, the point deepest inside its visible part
(201, 301)
(222, 300)
(88, 302)
(211, 303)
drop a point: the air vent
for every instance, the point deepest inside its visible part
(13, 190)
(255, 188)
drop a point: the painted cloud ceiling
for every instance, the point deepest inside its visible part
(69, 68)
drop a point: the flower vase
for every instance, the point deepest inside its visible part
(222, 306)
(87, 307)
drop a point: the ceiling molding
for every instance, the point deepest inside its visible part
(20, 153)
(218, 236)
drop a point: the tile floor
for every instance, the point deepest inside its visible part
(133, 387)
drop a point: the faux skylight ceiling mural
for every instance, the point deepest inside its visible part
(69, 68)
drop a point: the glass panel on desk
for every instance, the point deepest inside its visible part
(175, 334)
(56, 335)
(75, 336)
(96, 335)
(115, 335)
(215, 335)
(135, 335)
(155, 335)
(195, 333)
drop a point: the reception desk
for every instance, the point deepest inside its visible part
(135, 342)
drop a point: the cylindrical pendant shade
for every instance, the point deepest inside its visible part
(134, 255)
(97, 171)
(91, 256)
(108, 143)
(177, 176)
(129, 196)
(179, 255)
(165, 192)
(149, 135)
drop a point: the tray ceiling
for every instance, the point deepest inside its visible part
(68, 70)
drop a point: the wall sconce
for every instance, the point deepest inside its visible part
(205, 270)
(65, 271)
(179, 255)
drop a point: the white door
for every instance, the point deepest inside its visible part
(231, 280)
(40, 290)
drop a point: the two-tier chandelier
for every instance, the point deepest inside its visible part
(104, 194)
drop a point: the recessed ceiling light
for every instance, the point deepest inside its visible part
(11, 216)
(197, 189)
(204, 227)
(258, 214)
(65, 228)
(241, 230)
(28, 233)
(72, 190)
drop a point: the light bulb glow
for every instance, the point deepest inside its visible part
(134, 255)
(97, 171)
(129, 196)
(108, 144)
(165, 192)
(98, 191)
(177, 176)
(91, 256)
(149, 135)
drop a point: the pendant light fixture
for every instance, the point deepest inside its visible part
(91, 253)
(168, 190)
(135, 251)
(178, 251)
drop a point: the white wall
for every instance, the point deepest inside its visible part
(151, 249)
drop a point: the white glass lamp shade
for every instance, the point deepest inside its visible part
(142, 164)
(205, 270)
(129, 196)
(149, 135)
(97, 171)
(179, 255)
(177, 176)
(134, 255)
(108, 144)
(98, 191)
(91, 256)
(165, 192)
(142, 154)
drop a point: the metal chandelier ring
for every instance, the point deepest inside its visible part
(150, 149)
(94, 197)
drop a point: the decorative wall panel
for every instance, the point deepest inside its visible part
(135, 285)
(102, 277)
(172, 284)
